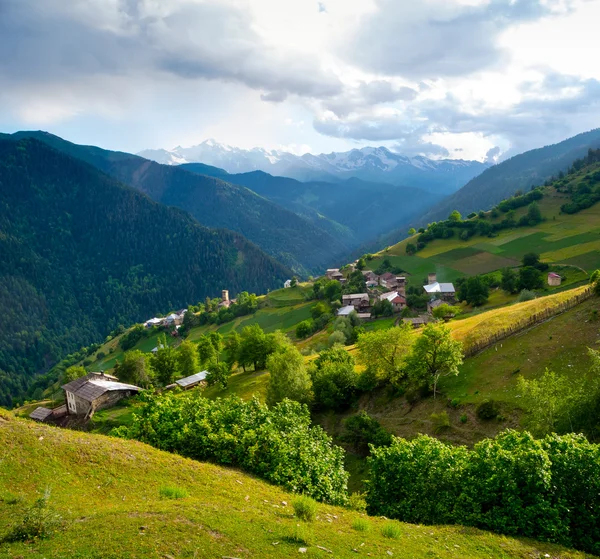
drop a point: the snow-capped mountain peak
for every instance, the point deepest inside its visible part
(373, 163)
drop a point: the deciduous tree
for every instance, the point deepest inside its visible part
(288, 377)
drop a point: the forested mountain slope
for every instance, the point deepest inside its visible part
(294, 241)
(81, 253)
(520, 172)
(366, 209)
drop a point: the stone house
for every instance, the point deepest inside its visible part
(360, 301)
(554, 280)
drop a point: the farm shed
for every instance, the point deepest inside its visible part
(94, 392)
(191, 381)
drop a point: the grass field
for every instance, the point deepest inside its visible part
(111, 494)
(560, 239)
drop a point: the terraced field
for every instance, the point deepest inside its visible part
(572, 240)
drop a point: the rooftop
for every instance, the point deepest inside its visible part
(192, 379)
(438, 287)
(345, 311)
(94, 385)
(40, 413)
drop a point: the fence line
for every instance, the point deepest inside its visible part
(473, 348)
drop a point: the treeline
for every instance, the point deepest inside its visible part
(514, 484)
(80, 254)
(479, 223)
(586, 193)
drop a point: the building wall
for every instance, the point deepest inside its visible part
(107, 400)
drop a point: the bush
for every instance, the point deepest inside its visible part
(441, 421)
(173, 492)
(39, 521)
(272, 442)
(357, 502)
(363, 430)
(334, 379)
(545, 489)
(488, 409)
(391, 530)
(361, 524)
(526, 295)
(305, 508)
(463, 418)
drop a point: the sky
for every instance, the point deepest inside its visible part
(467, 79)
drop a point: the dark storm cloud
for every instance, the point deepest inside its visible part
(432, 39)
(70, 40)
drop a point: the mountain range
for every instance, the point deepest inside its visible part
(372, 164)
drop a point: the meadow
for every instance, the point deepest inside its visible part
(561, 239)
(166, 506)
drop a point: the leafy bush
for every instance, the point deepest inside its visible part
(363, 430)
(40, 521)
(547, 489)
(361, 524)
(279, 444)
(357, 502)
(391, 530)
(526, 295)
(170, 492)
(441, 421)
(305, 508)
(488, 409)
(334, 379)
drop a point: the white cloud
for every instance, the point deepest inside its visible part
(464, 78)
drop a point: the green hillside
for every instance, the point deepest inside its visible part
(80, 254)
(566, 240)
(114, 500)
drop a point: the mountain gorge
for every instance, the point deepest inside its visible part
(372, 164)
(81, 253)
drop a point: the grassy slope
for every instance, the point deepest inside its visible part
(562, 239)
(108, 491)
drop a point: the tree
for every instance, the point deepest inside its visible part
(288, 377)
(434, 354)
(510, 281)
(333, 290)
(445, 311)
(361, 265)
(256, 346)
(164, 362)
(595, 281)
(73, 373)
(187, 356)
(531, 259)
(218, 373)
(411, 249)
(455, 216)
(534, 215)
(384, 352)
(530, 278)
(334, 378)
(336, 338)
(474, 291)
(232, 346)
(135, 369)
(305, 329)
(412, 231)
(549, 402)
(382, 308)
(206, 351)
(294, 282)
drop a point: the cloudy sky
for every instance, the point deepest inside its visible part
(471, 79)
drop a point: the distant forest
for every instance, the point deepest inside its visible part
(81, 254)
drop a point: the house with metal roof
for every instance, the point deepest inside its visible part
(191, 381)
(94, 392)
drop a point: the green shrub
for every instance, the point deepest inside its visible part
(170, 492)
(300, 534)
(488, 409)
(391, 530)
(363, 430)
(361, 524)
(463, 418)
(40, 521)
(357, 502)
(269, 442)
(545, 489)
(9, 499)
(305, 508)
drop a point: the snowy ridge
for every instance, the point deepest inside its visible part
(377, 164)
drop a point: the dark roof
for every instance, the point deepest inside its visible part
(40, 414)
(94, 385)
